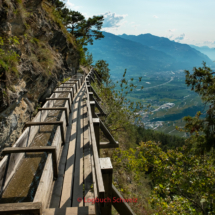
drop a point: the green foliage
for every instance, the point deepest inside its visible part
(182, 181)
(65, 79)
(75, 22)
(202, 130)
(103, 71)
(8, 57)
(86, 58)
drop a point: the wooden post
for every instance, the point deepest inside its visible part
(68, 91)
(92, 106)
(96, 124)
(60, 123)
(121, 207)
(61, 99)
(48, 149)
(57, 108)
(89, 88)
(107, 172)
(21, 208)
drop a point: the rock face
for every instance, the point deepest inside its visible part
(36, 52)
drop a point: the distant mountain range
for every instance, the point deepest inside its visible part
(210, 52)
(145, 53)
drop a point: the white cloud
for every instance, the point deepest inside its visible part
(71, 6)
(179, 38)
(209, 42)
(113, 20)
(155, 16)
(172, 30)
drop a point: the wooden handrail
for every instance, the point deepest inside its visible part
(98, 172)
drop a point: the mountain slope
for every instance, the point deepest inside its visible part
(121, 53)
(210, 52)
(181, 52)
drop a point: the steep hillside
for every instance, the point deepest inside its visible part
(35, 53)
(181, 52)
(121, 53)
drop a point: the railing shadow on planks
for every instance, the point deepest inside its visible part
(101, 167)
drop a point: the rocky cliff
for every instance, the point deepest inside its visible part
(36, 52)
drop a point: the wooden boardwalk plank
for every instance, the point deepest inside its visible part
(70, 211)
(58, 186)
(68, 176)
(88, 181)
(78, 173)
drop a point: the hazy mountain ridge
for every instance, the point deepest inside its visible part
(210, 52)
(181, 52)
(122, 53)
(160, 55)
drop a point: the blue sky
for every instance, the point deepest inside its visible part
(185, 21)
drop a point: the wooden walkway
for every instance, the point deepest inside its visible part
(73, 175)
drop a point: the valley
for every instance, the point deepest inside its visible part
(170, 100)
(161, 64)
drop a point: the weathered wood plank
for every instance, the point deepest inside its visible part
(107, 133)
(24, 140)
(45, 184)
(98, 173)
(88, 181)
(100, 108)
(57, 108)
(58, 185)
(78, 171)
(62, 98)
(94, 92)
(66, 91)
(60, 123)
(48, 149)
(107, 172)
(70, 211)
(121, 207)
(21, 208)
(107, 145)
(68, 177)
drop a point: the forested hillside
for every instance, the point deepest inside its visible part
(168, 175)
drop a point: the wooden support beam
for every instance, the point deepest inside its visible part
(100, 114)
(107, 133)
(92, 79)
(90, 210)
(91, 96)
(67, 91)
(48, 149)
(60, 123)
(94, 92)
(98, 78)
(96, 123)
(57, 108)
(21, 208)
(92, 106)
(76, 82)
(107, 174)
(95, 157)
(121, 207)
(61, 99)
(100, 108)
(107, 145)
(89, 88)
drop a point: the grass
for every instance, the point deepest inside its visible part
(55, 16)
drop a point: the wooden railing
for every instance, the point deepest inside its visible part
(102, 169)
(13, 155)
